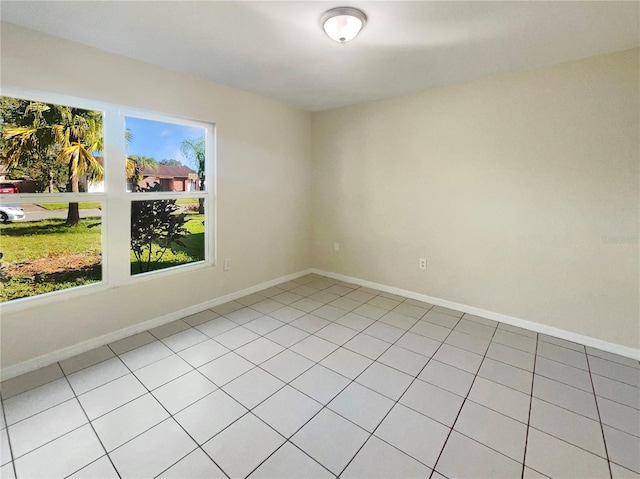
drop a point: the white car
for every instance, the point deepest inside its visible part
(10, 213)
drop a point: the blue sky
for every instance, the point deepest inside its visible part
(159, 140)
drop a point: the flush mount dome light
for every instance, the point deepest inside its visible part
(343, 23)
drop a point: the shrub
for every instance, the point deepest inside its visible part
(155, 228)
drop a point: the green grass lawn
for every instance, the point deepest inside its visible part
(89, 205)
(28, 241)
(192, 251)
(44, 256)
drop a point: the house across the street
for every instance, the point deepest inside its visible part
(170, 178)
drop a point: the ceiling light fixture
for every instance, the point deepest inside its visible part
(343, 24)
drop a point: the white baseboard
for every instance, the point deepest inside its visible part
(68, 352)
(65, 353)
(502, 318)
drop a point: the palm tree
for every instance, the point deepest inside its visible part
(136, 165)
(64, 134)
(32, 153)
(193, 150)
(81, 136)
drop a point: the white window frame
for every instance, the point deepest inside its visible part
(167, 195)
(116, 201)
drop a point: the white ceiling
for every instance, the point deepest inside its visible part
(278, 49)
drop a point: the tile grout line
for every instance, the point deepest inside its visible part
(6, 426)
(614, 379)
(221, 388)
(570, 443)
(373, 361)
(533, 377)
(148, 429)
(285, 323)
(618, 382)
(595, 356)
(576, 413)
(497, 327)
(174, 353)
(397, 401)
(462, 406)
(92, 428)
(287, 439)
(334, 283)
(108, 382)
(34, 387)
(264, 314)
(595, 398)
(358, 332)
(325, 406)
(565, 365)
(129, 440)
(54, 439)
(89, 420)
(259, 365)
(394, 401)
(170, 417)
(47, 409)
(572, 411)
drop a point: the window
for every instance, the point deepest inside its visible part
(71, 170)
(49, 241)
(41, 253)
(162, 157)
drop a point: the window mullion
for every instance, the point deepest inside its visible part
(116, 229)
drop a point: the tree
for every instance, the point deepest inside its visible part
(53, 133)
(136, 165)
(171, 162)
(80, 137)
(193, 150)
(44, 175)
(155, 228)
(37, 163)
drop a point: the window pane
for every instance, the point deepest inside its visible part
(40, 253)
(46, 147)
(166, 233)
(164, 156)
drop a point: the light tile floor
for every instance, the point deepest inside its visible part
(319, 378)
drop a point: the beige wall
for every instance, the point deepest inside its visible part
(263, 166)
(510, 186)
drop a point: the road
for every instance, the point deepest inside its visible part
(37, 213)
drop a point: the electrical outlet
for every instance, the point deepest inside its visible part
(336, 246)
(422, 263)
(226, 265)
